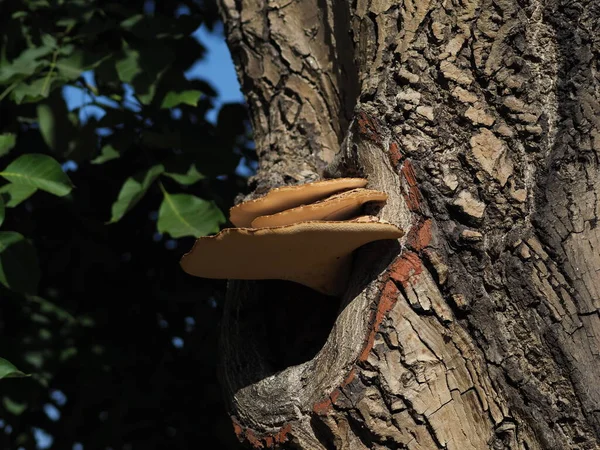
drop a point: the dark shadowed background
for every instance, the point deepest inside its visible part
(137, 103)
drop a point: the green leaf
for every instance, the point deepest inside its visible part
(36, 5)
(8, 370)
(13, 407)
(130, 22)
(35, 358)
(143, 67)
(66, 22)
(13, 194)
(186, 177)
(133, 190)
(49, 309)
(7, 142)
(129, 65)
(37, 89)
(26, 64)
(40, 171)
(107, 153)
(49, 41)
(73, 65)
(186, 215)
(173, 98)
(67, 353)
(47, 126)
(1, 211)
(56, 126)
(19, 269)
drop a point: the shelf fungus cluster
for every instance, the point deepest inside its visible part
(303, 233)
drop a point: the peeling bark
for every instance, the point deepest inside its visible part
(480, 327)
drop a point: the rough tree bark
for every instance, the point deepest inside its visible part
(481, 120)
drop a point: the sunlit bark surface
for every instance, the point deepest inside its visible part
(480, 329)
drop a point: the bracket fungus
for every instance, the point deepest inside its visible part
(337, 207)
(294, 236)
(287, 197)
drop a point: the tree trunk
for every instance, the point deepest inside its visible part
(481, 120)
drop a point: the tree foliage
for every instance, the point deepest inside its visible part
(110, 168)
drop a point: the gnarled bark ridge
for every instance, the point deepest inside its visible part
(480, 327)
